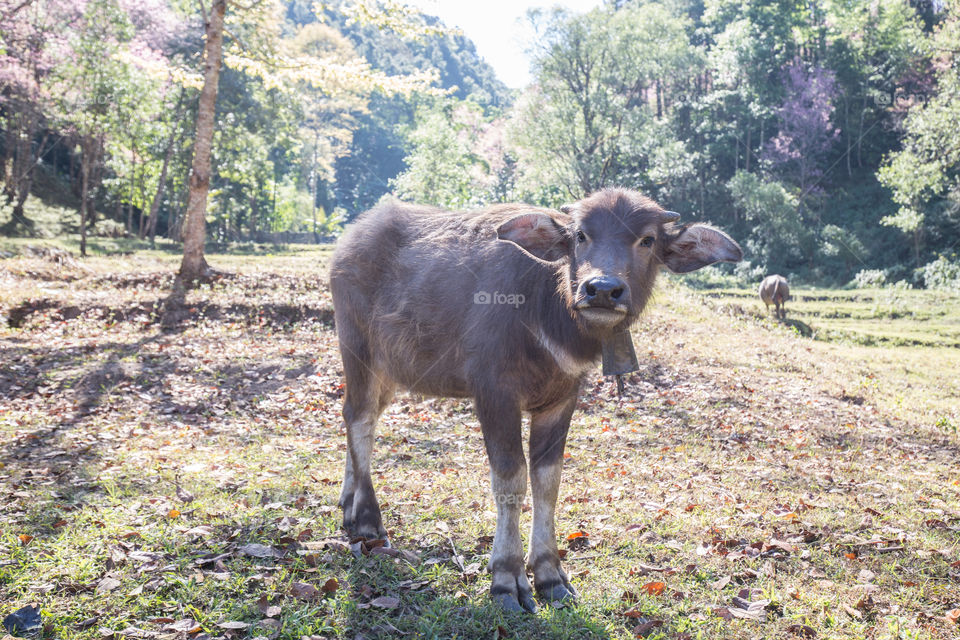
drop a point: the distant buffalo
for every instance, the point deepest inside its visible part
(775, 290)
(511, 306)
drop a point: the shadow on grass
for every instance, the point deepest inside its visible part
(452, 617)
(384, 597)
(801, 327)
(65, 387)
(271, 314)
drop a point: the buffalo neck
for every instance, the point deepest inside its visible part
(550, 312)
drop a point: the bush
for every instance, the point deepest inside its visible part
(942, 273)
(869, 278)
(748, 273)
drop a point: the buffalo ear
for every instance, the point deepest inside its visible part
(697, 246)
(538, 235)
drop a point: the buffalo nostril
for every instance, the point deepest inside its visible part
(590, 289)
(616, 293)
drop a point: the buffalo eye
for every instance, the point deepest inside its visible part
(581, 236)
(646, 241)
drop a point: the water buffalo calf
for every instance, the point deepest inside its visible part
(510, 306)
(774, 290)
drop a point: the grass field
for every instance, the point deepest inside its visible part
(753, 482)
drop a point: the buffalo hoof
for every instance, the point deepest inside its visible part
(515, 603)
(557, 592)
(368, 530)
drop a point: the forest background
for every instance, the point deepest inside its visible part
(820, 134)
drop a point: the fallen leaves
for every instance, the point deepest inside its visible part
(233, 625)
(385, 602)
(866, 575)
(255, 550)
(330, 585)
(644, 629)
(578, 540)
(107, 584)
(743, 608)
(304, 591)
(685, 503)
(200, 531)
(185, 625)
(802, 631)
(267, 609)
(23, 621)
(720, 583)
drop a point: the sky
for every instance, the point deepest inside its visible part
(499, 28)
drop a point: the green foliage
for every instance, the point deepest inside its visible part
(942, 273)
(443, 168)
(780, 233)
(869, 278)
(923, 174)
(820, 135)
(588, 123)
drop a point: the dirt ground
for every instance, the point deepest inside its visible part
(181, 481)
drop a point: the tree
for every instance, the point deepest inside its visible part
(446, 166)
(154, 216)
(94, 78)
(259, 50)
(34, 39)
(194, 265)
(779, 237)
(603, 79)
(923, 175)
(806, 133)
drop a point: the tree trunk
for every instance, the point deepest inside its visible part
(194, 265)
(255, 209)
(18, 167)
(749, 129)
(659, 99)
(142, 222)
(158, 196)
(6, 165)
(846, 133)
(96, 178)
(86, 149)
(863, 109)
(133, 178)
(313, 184)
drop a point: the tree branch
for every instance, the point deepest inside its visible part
(13, 11)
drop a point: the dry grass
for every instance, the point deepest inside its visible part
(746, 464)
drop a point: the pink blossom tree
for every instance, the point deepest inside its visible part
(34, 40)
(797, 153)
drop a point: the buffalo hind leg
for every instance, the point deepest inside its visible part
(500, 420)
(366, 396)
(548, 436)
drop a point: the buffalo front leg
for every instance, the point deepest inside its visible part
(548, 436)
(500, 420)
